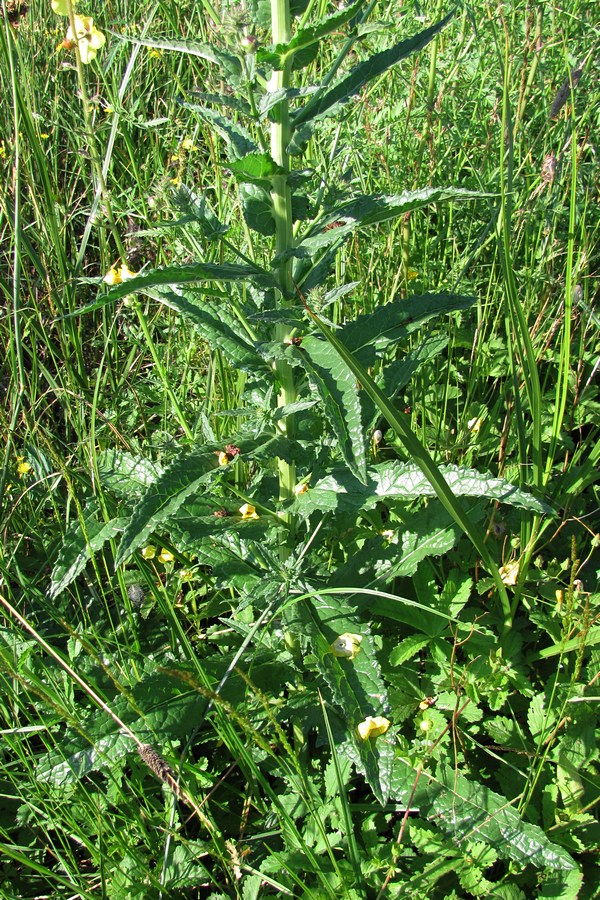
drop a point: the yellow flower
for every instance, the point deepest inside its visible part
(149, 552)
(186, 574)
(23, 467)
(165, 556)
(118, 276)
(223, 458)
(346, 645)
(411, 274)
(88, 38)
(509, 573)
(372, 727)
(60, 7)
(188, 144)
(301, 488)
(248, 511)
(475, 424)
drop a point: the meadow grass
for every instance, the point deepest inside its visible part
(244, 798)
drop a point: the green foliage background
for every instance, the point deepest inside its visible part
(174, 722)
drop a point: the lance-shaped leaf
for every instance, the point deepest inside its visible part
(281, 54)
(471, 811)
(228, 63)
(356, 684)
(365, 72)
(373, 332)
(238, 139)
(217, 325)
(80, 542)
(395, 480)
(190, 274)
(180, 480)
(338, 390)
(157, 711)
(370, 209)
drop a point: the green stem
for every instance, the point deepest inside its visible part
(282, 213)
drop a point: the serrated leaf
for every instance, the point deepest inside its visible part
(470, 811)
(126, 475)
(227, 62)
(369, 334)
(190, 274)
(78, 546)
(356, 685)
(365, 72)
(196, 208)
(163, 498)
(396, 480)
(217, 326)
(156, 711)
(407, 649)
(238, 139)
(339, 392)
(367, 210)
(257, 207)
(256, 168)
(280, 54)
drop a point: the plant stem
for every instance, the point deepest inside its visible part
(282, 213)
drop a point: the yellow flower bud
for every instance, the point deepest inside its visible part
(248, 511)
(165, 556)
(346, 645)
(149, 552)
(372, 727)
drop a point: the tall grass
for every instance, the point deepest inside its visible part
(514, 394)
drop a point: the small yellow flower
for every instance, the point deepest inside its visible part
(373, 726)
(149, 552)
(165, 556)
(23, 467)
(347, 645)
(248, 511)
(509, 573)
(425, 725)
(88, 37)
(60, 7)
(411, 274)
(300, 489)
(223, 458)
(475, 424)
(188, 145)
(186, 574)
(118, 276)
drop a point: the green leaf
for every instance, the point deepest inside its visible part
(163, 498)
(197, 209)
(339, 392)
(217, 325)
(78, 546)
(257, 206)
(365, 72)
(471, 811)
(166, 713)
(404, 481)
(372, 333)
(257, 168)
(280, 54)
(366, 210)
(356, 684)
(229, 64)
(191, 274)
(238, 139)
(126, 475)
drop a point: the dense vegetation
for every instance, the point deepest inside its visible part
(299, 486)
